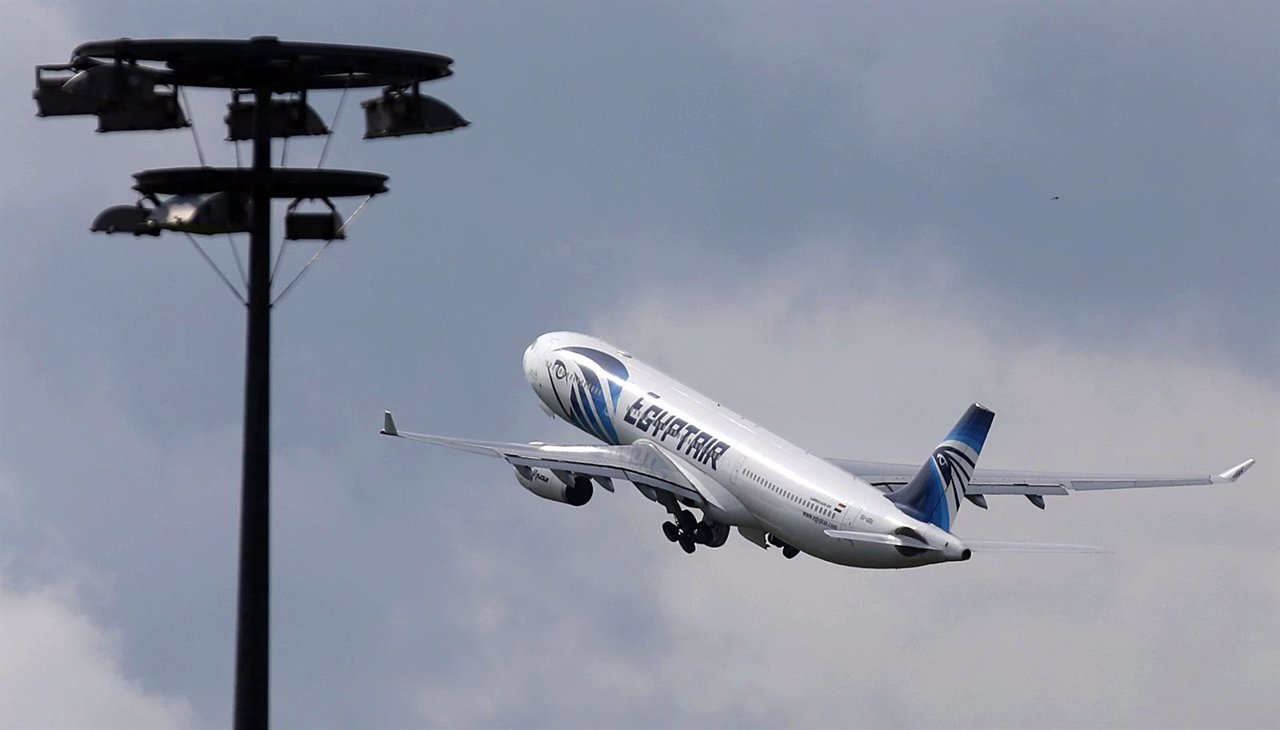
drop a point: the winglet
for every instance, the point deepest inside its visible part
(1232, 474)
(388, 425)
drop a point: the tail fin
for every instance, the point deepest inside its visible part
(935, 492)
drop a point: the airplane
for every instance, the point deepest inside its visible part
(686, 452)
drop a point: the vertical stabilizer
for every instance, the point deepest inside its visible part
(935, 492)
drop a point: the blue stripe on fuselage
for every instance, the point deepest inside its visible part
(609, 364)
(601, 407)
(581, 417)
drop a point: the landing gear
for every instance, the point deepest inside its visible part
(716, 534)
(671, 531)
(686, 543)
(684, 530)
(788, 551)
(702, 533)
(689, 532)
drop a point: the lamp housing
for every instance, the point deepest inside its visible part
(160, 111)
(313, 226)
(52, 100)
(124, 219)
(399, 112)
(204, 214)
(286, 118)
(118, 83)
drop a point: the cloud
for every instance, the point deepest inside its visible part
(846, 362)
(1147, 121)
(127, 538)
(60, 668)
(1008, 83)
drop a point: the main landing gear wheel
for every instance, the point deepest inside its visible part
(702, 533)
(671, 531)
(717, 534)
(790, 552)
(689, 532)
(686, 543)
(685, 530)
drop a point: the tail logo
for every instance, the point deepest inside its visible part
(956, 469)
(944, 467)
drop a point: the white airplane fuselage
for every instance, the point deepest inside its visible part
(755, 479)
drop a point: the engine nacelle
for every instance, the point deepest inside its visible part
(546, 484)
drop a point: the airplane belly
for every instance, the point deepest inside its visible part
(812, 539)
(860, 554)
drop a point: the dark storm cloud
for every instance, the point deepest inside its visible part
(1154, 126)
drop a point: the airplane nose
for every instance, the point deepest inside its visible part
(531, 354)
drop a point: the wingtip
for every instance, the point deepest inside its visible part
(388, 425)
(1234, 473)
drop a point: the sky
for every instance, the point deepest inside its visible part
(838, 219)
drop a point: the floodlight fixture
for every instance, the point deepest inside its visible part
(398, 112)
(318, 226)
(287, 118)
(159, 112)
(125, 219)
(52, 100)
(116, 83)
(204, 214)
(123, 96)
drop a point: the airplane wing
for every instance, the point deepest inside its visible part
(889, 477)
(640, 463)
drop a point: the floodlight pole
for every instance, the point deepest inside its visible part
(266, 66)
(253, 615)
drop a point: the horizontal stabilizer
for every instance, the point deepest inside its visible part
(996, 546)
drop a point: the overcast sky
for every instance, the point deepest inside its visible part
(837, 219)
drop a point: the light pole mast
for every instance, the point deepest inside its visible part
(253, 612)
(137, 85)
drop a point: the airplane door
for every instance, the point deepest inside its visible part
(732, 467)
(851, 519)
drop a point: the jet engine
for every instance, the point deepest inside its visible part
(548, 485)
